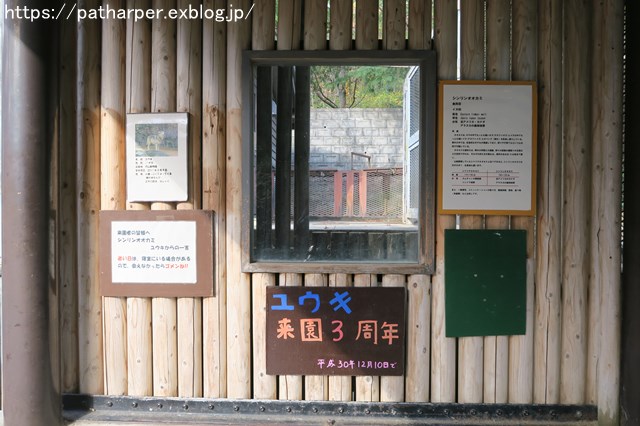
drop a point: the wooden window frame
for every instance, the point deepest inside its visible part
(426, 60)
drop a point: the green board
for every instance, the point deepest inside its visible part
(485, 277)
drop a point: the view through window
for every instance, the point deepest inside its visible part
(335, 153)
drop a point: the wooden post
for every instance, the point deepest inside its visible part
(163, 99)
(547, 297)
(443, 352)
(576, 203)
(498, 68)
(315, 38)
(239, 290)
(289, 24)
(366, 25)
(420, 24)
(112, 187)
(418, 286)
(290, 387)
(418, 342)
(163, 57)
(470, 349)
(214, 71)
(630, 371)
(367, 387)
(138, 99)
(523, 63)
(394, 24)
(341, 24)
(264, 386)
(392, 387)
(315, 24)
(316, 388)
(606, 190)
(67, 209)
(340, 388)
(189, 99)
(594, 313)
(89, 301)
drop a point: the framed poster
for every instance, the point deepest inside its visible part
(487, 147)
(157, 157)
(156, 253)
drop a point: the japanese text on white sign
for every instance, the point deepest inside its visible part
(487, 149)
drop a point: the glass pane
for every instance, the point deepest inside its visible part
(332, 158)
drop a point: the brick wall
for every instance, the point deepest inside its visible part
(336, 133)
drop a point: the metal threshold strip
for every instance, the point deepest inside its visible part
(92, 409)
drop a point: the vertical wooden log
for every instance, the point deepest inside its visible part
(341, 24)
(264, 386)
(89, 301)
(315, 24)
(394, 25)
(289, 24)
(548, 270)
(498, 68)
(68, 248)
(112, 187)
(140, 376)
(392, 387)
(165, 356)
(239, 292)
(189, 96)
(419, 24)
(316, 388)
(419, 286)
(138, 98)
(609, 150)
(523, 63)
(138, 64)
(367, 387)
(290, 387)
(418, 342)
(163, 57)
(214, 71)
(366, 25)
(470, 349)
(575, 215)
(340, 388)
(594, 313)
(189, 99)
(443, 353)
(163, 99)
(289, 38)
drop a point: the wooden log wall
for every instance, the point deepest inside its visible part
(214, 347)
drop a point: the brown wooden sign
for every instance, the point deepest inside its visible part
(336, 331)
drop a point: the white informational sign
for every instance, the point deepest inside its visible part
(157, 157)
(162, 252)
(487, 148)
